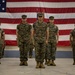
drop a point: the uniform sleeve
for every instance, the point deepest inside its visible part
(34, 26)
(47, 26)
(30, 27)
(71, 33)
(2, 33)
(57, 29)
(17, 27)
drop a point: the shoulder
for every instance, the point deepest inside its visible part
(30, 26)
(19, 25)
(27, 23)
(45, 23)
(1, 29)
(35, 22)
(57, 27)
(72, 31)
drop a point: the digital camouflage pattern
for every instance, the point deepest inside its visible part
(24, 33)
(73, 43)
(40, 40)
(1, 42)
(53, 30)
(40, 32)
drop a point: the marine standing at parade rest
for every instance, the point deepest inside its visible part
(52, 42)
(23, 39)
(40, 40)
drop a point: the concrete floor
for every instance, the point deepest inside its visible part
(10, 66)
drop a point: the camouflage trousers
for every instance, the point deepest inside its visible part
(24, 48)
(1, 49)
(51, 51)
(40, 52)
(73, 49)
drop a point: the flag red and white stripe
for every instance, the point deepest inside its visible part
(62, 10)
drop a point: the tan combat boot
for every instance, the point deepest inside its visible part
(74, 63)
(37, 65)
(0, 61)
(21, 63)
(46, 62)
(53, 64)
(25, 63)
(42, 65)
(30, 56)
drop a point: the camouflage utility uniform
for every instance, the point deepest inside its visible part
(40, 41)
(53, 30)
(24, 32)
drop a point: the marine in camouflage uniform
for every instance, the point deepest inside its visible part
(52, 42)
(2, 38)
(24, 39)
(72, 40)
(40, 32)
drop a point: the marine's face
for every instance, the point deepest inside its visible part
(40, 18)
(51, 21)
(24, 19)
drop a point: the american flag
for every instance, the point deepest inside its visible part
(62, 10)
